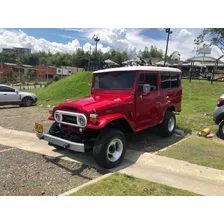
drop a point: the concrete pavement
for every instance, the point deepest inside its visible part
(149, 166)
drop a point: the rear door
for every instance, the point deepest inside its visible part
(147, 105)
(8, 95)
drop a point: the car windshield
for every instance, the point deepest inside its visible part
(114, 80)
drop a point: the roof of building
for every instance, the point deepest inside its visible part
(139, 68)
(202, 58)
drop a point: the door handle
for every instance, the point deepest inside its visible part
(167, 97)
(5, 94)
(140, 96)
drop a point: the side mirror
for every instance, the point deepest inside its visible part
(146, 88)
(17, 91)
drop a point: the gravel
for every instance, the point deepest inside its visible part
(23, 118)
(26, 173)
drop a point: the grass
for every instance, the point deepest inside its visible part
(123, 185)
(198, 150)
(74, 86)
(198, 102)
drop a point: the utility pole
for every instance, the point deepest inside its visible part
(168, 31)
(96, 39)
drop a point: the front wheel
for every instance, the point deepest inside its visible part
(27, 101)
(109, 149)
(167, 127)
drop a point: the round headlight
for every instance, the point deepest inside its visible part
(82, 121)
(57, 117)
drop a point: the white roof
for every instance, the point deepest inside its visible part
(139, 68)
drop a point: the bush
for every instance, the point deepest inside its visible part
(48, 83)
(56, 78)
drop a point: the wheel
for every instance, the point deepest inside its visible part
(109, 148)
(167, 127)
(27, 101)
(221, 129)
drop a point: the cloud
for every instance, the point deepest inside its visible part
(21, 39)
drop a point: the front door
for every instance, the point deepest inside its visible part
(148, 105)
(8, 95)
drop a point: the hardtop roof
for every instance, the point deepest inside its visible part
(139, 68)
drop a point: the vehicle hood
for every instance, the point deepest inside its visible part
(27, 94)
(91, 103)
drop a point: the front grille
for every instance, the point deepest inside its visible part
(69, 119)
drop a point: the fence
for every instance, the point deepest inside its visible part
(28, 86)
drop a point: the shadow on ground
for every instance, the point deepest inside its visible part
(145, 141)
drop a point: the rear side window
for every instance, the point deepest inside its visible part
(6, 89)
(169, 81)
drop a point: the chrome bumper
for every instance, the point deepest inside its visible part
(77, 147)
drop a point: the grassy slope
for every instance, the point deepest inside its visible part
(199, 98)
(122, 185)
(199, 151)
(74, 86)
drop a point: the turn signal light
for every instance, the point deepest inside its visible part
(94, 118)
(51, 110)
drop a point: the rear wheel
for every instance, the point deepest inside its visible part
(221, 129)
(167, 127)
(109, 149)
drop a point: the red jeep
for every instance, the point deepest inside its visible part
(126, 99)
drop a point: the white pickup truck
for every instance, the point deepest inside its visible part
(12, 96)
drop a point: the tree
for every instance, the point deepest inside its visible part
(213, 36)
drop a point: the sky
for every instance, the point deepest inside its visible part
(67, 40)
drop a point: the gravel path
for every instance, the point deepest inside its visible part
(26, 173)
(23, 118)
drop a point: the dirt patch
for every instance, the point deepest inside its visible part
(23, 118)
(26, 173)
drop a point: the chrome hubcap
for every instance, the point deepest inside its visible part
(223, 129)
(171, 124)
(114, 150)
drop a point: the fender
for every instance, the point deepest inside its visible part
(106, 119)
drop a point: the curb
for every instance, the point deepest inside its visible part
(67, 193)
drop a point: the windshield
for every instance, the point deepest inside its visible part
(114, 80)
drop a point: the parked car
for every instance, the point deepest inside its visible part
(218, 115)
(127, 99)
(12, 96)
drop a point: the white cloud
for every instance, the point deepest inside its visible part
(21, 39)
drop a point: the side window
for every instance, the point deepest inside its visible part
(165, 81)
(141, 82)
(174, 81)
(6, 89)
(151, 79)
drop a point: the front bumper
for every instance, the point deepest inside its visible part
(77, 147)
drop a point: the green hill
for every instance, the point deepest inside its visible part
(71, 87)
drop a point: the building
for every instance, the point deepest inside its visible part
(18, 50)
(44, 72)
(67, 70)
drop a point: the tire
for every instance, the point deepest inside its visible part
(27, 101)
(109, 149)
(167, 127)
(221, 130)
(53, 131)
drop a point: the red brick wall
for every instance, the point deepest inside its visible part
(42, 70)
(3, 70)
